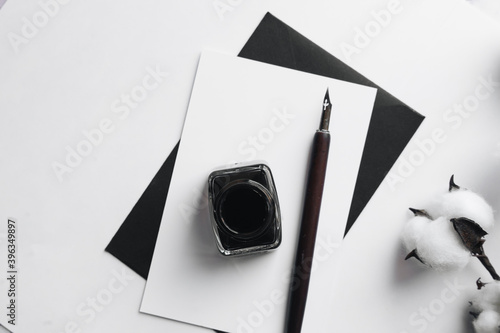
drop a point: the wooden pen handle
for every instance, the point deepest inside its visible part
(307, 237)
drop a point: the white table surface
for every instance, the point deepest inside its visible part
(64, 80)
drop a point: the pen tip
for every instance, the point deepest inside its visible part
(327, 108)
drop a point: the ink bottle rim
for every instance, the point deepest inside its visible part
(263, 193)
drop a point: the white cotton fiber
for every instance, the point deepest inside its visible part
(487, 322)
(464, 203)
(489, 297)
(412, 231)
(440, 247)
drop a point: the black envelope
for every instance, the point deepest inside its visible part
(391, 127)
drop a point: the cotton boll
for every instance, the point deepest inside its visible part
(487, 304)
(487, 322)
(440, 247)
(412, 231)
(464, 203)
(489, 297)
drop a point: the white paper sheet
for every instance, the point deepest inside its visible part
(234, 102)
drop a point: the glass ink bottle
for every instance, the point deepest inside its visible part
(244, 209)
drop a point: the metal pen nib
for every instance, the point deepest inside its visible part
(325, 116)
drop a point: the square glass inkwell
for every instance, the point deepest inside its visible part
(244, 209)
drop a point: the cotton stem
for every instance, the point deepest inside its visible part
(483, 258)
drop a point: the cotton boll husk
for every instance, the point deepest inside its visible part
(464, 203)
(441, 248)
(487, 322)
(412, 231)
